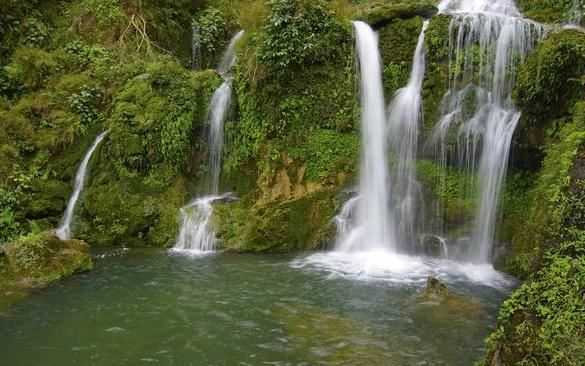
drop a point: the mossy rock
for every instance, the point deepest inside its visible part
(549, 83)
(546, 11)
(380, 13)
(301, 224)
(38, 260)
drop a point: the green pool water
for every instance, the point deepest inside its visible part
(149, 307)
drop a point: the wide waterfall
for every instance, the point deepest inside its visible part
(196, 234)
(374, 226)
(64, 230)
(404, 118)
(488, 39)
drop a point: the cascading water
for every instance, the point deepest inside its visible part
(195, 47)
(196, 234)
(373, 227)
(488, 39)
(64, 230)
(377, 226)
(404, 118)
(576, 14)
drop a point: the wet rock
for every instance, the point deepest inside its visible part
(448, 305)
(435, 290)
(381, 14)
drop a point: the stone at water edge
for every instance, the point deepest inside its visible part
(37, 260)
(450, 305)
(435, 290)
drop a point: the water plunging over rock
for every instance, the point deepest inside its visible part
(64, 230)
(404, 118)
(373, 228)
(196, 234)
(488, 39)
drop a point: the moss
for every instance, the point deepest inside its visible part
(327, 154)
(301, 224)
(552, 76)
(547, 11)
(397, 46)
(437, 70)
(542, 222)
(542, 322)
(38, 260)
(450, 189)
(380, 13)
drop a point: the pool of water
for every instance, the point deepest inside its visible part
(150, 307)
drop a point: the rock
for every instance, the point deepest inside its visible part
(37, 260)
(435, 290)
(379, 15)
(448, 305)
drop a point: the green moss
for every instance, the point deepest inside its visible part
(547, 11)
(450, 188)
(156, 114)
(552, 76)
(327, 153)
(379, 13)
(543, 322)
(397, 46)
(437, 69)
(302, 224)
(299, 32)
(542, 223)
(37, 260)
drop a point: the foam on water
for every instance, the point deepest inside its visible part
(381, 265)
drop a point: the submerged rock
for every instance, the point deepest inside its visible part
(450, 305)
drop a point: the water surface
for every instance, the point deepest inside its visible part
(149, 307)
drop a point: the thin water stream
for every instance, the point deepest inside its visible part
(147, 307)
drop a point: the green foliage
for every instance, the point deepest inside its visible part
(9, 226)
(542, 222)
(289, 112)
(39, 259)
(300, 32)
(327, 153)
(31, 67)
(303, 224)
(547, 11)
(451, 188)
(379, 12)
(552, 76)
(213, 29)
(155, 114)
(543, 322)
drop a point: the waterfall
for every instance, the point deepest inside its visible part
(576, 14)
(196, 233)
(218, 108)
(195, 47)
(64, 230)
(404, 118)
(373, 228)
(228, 59)
(488, 39)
